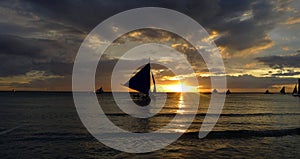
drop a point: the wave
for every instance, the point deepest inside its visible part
(229, 134)
(51, 136)
(10, 130)
(204, 114)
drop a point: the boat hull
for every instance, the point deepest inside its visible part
(140, 99)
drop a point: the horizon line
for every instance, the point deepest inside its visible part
(64, 91)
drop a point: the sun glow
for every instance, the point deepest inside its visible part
(177, 88)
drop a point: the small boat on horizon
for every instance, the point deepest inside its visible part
(228, 92)
(215, 91)
(282, 91)
(99, 91)
(268, 92)
(295, 91)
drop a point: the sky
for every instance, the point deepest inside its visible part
(258, 40)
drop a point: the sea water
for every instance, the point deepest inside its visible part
(46, 125)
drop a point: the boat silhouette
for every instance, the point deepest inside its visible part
(295, 91)
(215, 91)
(268, 92)
(228, 92)
(282, 91)
(99, 91)
(141, 82)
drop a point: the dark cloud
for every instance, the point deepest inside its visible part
(167, 38)
(32, 48)
(45, 35)
(87, 14)
(279, 62)
(252, 31)
(20, 55)
(286, 74)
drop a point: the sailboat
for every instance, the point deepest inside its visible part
(268, 92)
(141, 82)
(215, 91)
(99, 91)
(282, 91)
(295, 92)
(228, 92)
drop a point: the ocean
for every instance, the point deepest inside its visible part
(46, 125)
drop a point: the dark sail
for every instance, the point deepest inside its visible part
(141, 80)
(295, 90)
(228, 92)
(267, 92)
(282, 91)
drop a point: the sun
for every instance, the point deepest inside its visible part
(172, 88)
(177, 88)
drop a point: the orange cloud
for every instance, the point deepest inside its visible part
(27, 78)
(285, 48)
(292, 20)
(255, 49)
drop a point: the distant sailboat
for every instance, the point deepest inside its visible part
(282, 91)
(295, 92)
(99, 91)
(228, 92)
(141, 82)
(268, 92)
(215, 91)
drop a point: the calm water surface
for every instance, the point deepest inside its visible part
(46, 125)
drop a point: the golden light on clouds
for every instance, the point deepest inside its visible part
(135, 34)
(246, 15)
(250, 65)
(292, 20)
(255, 49)
(179, 45)
(285, 48)
(94, 42)
(214, 35)
(28, 77)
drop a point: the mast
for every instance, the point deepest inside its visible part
(153, 80)
(154, 86)
(298, 86)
